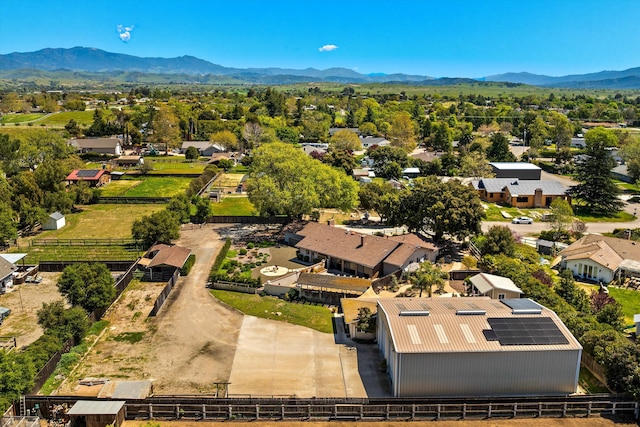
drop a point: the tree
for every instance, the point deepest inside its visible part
(180, 207)
(499, 151)
(252, 132)
(597, 189)
(366, 321)
(441, 137)
(285, 181)
(439, 207)
(341, 159)
(560, 132)
(16, 376)
(382, 156)
(562, 216)
(379, 197)
(64, 323)
(192, 153)
(571, 293)
(631, 154)
(225, 138)
(166, 130)
(498, 240)
(203, 209)
(402, 133)
(428, 275)
(8, 230)
(345, 140)
(160, 227)
(475, 165)
(89, 286)
(315, 125)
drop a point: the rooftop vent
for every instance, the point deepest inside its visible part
(414, 313)
(471, 312)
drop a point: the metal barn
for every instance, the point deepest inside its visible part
(476, 347)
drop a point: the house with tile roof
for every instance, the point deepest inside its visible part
(94, 177)
(161, 261)
(602, 258)
(471, 347)
(520, 193)
(352, 253)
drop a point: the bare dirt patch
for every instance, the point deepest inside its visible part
(24, 301)
(188, 347)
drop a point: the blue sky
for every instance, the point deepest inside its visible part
(456, 38)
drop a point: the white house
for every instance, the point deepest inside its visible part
(370, 141)
(494, 287)
(6, 275)
(602, 258)
(55, 221)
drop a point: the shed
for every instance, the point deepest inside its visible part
(98, 413)
(520, 170)
(55, 221)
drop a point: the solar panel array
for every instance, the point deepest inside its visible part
(87, 173)
(526, 331)
(521, 304)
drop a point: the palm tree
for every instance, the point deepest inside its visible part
(428, 275)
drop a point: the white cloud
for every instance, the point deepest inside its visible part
(328, 48)
(124, 32)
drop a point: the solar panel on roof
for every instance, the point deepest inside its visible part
(87, 173)
(526, 331)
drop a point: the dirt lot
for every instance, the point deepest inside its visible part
(529, 422)
(24, 301)
(185, 349)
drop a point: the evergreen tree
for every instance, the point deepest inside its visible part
(597, 189)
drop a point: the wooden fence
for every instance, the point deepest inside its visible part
(84, 242)
(291, 408)
(57, 266)
(41, 377)
(164, 294)
(134, 200)
(594, 367)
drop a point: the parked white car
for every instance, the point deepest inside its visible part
(522, 220)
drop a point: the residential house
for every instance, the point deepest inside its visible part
(520, 193)
(472, 347)
(348, 252)
(520, 170)
(161, 262)
(7, 270)
(602, 258)
(494, 287)
(411, 172)
(128, 161)
(621, 173)
(111, 146)
(334, 130)
(55, 221)
(369, 141)
(94, 177)
(205, 148)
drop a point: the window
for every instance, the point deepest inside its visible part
(501, 296)
(491, 195)
(522, 199)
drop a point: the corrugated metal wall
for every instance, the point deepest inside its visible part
(490, 373)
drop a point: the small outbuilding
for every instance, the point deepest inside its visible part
(494, 287)
(55, 221)
(520, 170)
(97, 413)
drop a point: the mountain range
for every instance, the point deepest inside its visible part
(95, 63)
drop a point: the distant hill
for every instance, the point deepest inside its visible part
(95, 60)
(93, 63)
(626, 79)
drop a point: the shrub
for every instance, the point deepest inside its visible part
(243, 251)
(306, 258)
(186, 268)
(221, 256)
(250, 245)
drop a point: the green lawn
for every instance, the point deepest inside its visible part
(175, 167)
(101, 221)
(630, 300)
(494, 212)
(234, 206)
(146, 186)
(36, 254)
(583, 215)
(84, 118)
(309, 316)
(20, 118)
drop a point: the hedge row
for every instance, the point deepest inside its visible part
(221, 257)
(249, 281)
(186, 268)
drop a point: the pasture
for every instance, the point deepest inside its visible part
(146, 186)
(20, 118)
(83, 118)
(101, 222)
(234, 206)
